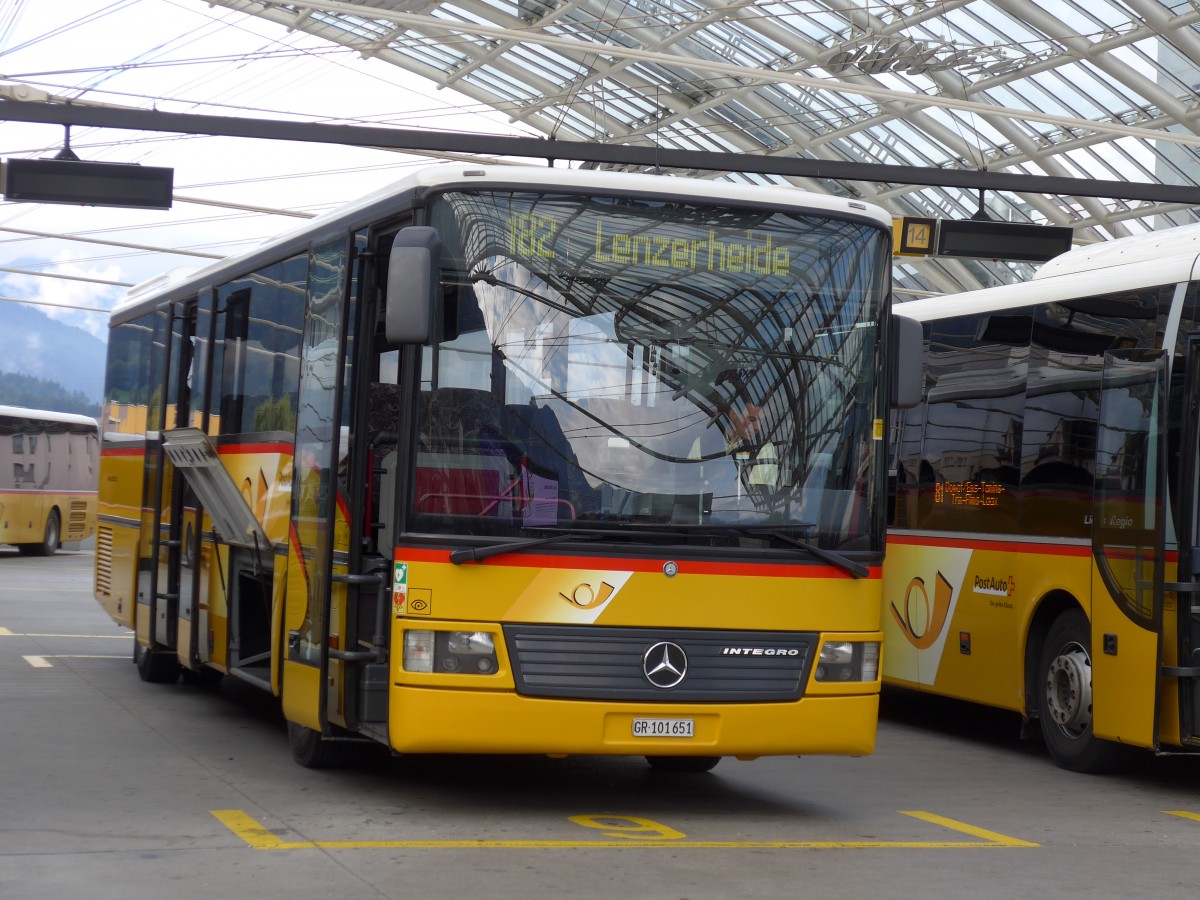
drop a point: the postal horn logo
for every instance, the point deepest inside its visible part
(921, 622)
(665, 665)
(584, 596)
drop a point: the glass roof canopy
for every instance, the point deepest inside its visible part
(1097, 89)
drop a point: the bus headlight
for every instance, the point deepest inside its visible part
(457, 652)
(469, 652)
(418, 651)
(848, 661)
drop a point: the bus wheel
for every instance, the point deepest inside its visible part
(1065, 677)
(310, 751)
(683, 763)
(156, 667)
(50, 539)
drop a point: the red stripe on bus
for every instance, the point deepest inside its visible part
(1046, 549)
(627, 564)
(1049, 548)
(223, 449)
(264, 447)
(1132, 554)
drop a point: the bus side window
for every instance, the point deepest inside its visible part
(1066, 372)
(977, 369)
(262, 317)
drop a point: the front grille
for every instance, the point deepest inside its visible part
(600, 663)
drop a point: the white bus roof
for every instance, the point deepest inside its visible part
(1155, 245)
(1163, 257)
(678, 186)
(46, 415)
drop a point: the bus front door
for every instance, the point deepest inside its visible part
(1185, 675)
(1128, 521)
(336, 605)
(319, 583)
(359, 620)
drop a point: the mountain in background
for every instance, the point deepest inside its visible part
(38, 393)
(46, 350)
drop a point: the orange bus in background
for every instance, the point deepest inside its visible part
(49, 466)
(516, 460)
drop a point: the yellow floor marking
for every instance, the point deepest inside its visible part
(954, 825)
(253, 833)
(260, 838)
(4, 632)
(38, 662)
(1183, 814)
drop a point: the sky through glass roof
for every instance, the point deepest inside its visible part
(1100, 89)
(1095, 90)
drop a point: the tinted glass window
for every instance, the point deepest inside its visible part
(262, 316)
(127, 378)
(317, 438)
(976, 369)
(1058, 455)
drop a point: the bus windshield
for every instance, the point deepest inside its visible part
(608, 360)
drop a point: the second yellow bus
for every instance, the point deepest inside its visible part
(1044, 550)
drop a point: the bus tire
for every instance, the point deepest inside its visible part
(156, 666)
(1065, 694)
(50, 538)
(683, 763)
(310, 751)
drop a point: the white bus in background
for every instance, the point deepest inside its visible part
(49, 464)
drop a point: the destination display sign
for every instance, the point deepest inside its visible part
(669, 246)
(968, 493)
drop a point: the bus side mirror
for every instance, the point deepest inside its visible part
(908, 367)
(412, 282)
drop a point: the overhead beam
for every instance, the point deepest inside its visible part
(551, 149)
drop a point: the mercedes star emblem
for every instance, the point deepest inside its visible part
(665, 664)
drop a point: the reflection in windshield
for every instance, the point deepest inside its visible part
(623, 360)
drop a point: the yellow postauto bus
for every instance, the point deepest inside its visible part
(49, 464)
(517, 460)
(1044, 544)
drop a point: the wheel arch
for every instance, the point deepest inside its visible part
(44, 546)
(1049, 608)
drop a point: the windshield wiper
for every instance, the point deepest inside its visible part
(478, 554)
(855, 569)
